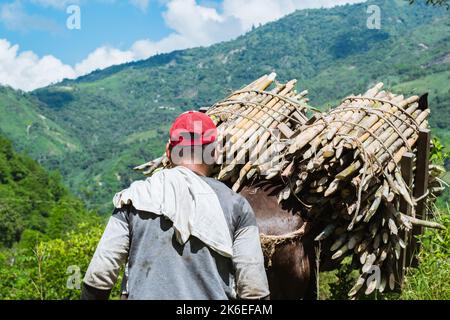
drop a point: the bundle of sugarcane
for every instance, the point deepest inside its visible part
(342, 166)
(248, 121)
(344, 169)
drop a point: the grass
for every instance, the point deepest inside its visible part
(430, 281)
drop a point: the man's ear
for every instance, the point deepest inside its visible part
(217, 152)
(168, 150)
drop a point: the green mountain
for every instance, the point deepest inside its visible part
(118, 117)
(32, 131)
(34, 204)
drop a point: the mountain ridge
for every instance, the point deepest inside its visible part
(121, 114)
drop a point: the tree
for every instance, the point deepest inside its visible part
(443, 3)
(11, 226)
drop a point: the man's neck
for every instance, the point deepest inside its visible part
(201, 170)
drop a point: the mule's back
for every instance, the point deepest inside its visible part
(290, 266)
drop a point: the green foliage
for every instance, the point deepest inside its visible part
(32, 199)
(48, 270)
(346, 277)
(11, 227)
(30, 130)
(429, 281)
(352, 43)
(438, 154)
(31, 238)
(443, 3)
(336, 284)
(40, 230)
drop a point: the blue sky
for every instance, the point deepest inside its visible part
(37, 48)
(117, 25)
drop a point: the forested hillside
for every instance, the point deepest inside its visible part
(43, 230)
(34, 204)
(36, 135)
(118, 117)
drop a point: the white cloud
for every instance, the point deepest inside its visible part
(193, 25)
(27, 71)
(141, 4)
(255, 12)
(102, 58)
(143, 49)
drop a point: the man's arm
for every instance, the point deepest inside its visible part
(110, 255)
(248, 259)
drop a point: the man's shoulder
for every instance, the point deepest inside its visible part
(234, 203)
(222, 188)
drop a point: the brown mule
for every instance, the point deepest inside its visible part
(290, 260)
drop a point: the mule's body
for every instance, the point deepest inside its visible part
(292, 270)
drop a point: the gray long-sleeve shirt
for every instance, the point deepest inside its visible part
(161, 268)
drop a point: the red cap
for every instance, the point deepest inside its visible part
(192, 128)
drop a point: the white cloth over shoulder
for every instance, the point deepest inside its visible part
(189, 202)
